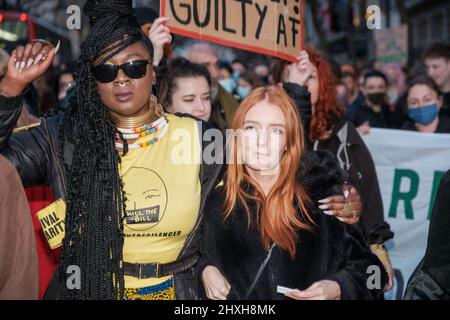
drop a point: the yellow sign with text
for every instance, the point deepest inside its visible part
(52, 220)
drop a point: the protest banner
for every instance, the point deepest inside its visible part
(392, 45)
(409, 166)
(271, 27)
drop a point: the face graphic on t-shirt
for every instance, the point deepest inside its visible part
(146, 199)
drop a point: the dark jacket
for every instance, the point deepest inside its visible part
(389, 117)
(37, 156)
(353, 157)
(223, 109)
(431, 279)
(302, 99)
(332, 251)
(443, 126)
(445, 110)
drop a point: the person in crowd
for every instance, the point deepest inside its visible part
(226, 77)
(18, 256)
(262, 70)
(238, 66)
(374, 111)
(349, 80)
(360, 78)
(310, 83)
(247, 82)
(431, 279)
(185, 88)
(342, 94)
(38, 197)
(263, 228)
(437, 61)
(108, 157)
(346, 68)
(224, 105)
(47, 90)
(396, 82)
(66, 79)
(424, 100)
(354, 84)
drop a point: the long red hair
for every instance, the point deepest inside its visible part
(277, 217)
(327, 108)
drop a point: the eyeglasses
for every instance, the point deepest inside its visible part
(105, 73)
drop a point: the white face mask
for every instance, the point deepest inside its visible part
(243, 92)
(228, 84)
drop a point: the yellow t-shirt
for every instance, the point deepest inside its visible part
(162, 186)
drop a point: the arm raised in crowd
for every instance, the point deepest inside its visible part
(295, 79)
(24, 149)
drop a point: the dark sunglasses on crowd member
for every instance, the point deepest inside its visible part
(105, 73)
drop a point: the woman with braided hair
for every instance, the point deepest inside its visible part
(108, 159)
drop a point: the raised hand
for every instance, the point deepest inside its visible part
(159, 35)
(300, 72)
(25, 65)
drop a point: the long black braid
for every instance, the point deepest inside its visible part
(95, 200)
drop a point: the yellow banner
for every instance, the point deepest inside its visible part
(52, 219)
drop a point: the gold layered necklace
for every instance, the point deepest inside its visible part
(132, 128)
(131, 122)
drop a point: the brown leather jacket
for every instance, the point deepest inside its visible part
(18, 254)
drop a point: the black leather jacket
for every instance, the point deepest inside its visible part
(35, 152)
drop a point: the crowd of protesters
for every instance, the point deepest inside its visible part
(322, 110)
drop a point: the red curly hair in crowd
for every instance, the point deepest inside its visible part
(327, 108)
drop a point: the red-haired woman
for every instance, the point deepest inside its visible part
(312, 85)
(263, 227)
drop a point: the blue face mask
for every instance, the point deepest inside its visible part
(424, 115)
(228, 84)
(243, 92)
(236, 75)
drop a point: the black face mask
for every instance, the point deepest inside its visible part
(376, 98)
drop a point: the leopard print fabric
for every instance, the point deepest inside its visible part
(163, 291)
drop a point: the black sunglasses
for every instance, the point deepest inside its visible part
(105, 73)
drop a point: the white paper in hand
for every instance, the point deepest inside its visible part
(284, 290)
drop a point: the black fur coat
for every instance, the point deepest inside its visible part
(333, 251)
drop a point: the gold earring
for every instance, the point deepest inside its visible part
(156, 106)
